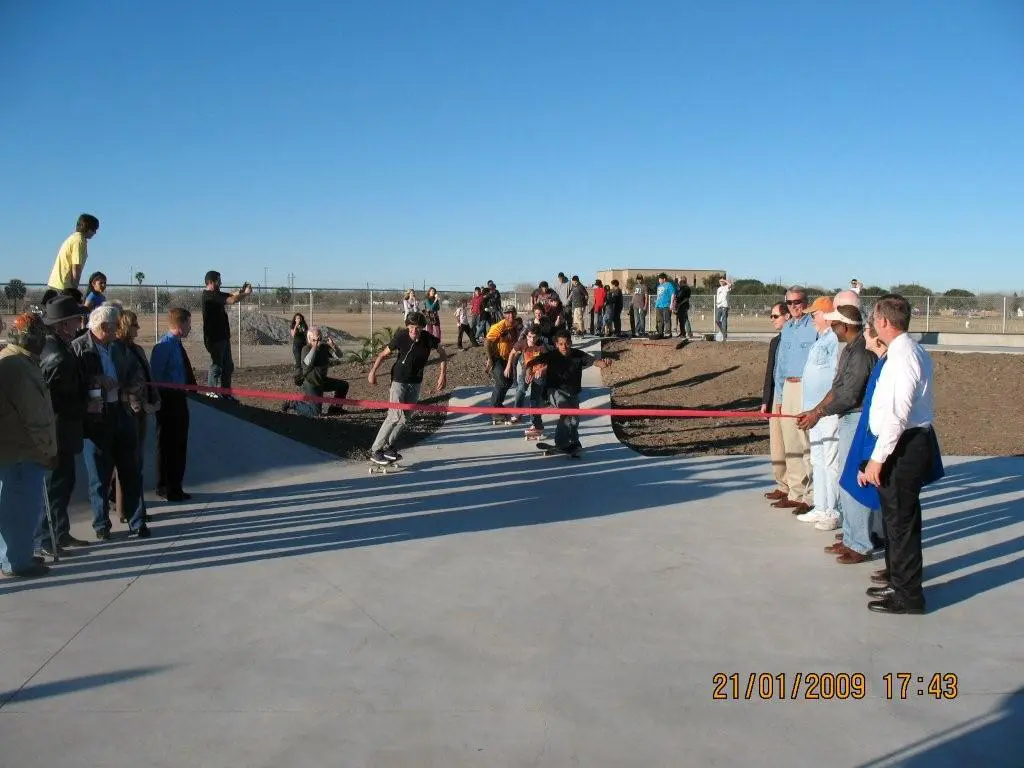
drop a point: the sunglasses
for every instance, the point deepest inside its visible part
(776, 317)
(793, 302)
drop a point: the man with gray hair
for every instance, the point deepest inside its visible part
(111, 433)
(845, 400)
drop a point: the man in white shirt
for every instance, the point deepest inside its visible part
(722, 307)
(856, 286)
(905, 455)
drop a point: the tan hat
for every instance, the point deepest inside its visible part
(845, 313)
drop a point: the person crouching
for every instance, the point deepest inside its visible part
(319, 354)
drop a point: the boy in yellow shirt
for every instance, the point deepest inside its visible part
(73, 253)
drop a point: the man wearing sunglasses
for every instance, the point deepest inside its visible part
(780, 316)
(798, 335)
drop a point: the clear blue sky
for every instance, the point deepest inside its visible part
(452, 142)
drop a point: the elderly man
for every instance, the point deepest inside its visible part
(819, 371)
(319, 354)
(28, 446)
(794, 344)
(844, 400)
(69, 395)
(111, 434)
(779, 315)
(500, 339)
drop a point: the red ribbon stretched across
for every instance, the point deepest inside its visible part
(383, 405)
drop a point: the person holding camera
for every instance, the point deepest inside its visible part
(217, 330)
(319, 354)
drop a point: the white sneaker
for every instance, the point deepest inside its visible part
(827, 523)
(810, 517)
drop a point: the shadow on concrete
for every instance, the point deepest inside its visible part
(990, 740)
(73, 684)
(693, 381)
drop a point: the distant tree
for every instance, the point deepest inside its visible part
(1016, 302)
(710, 283)
(958, 293)
(284, 296)
(15, 291)
(747, 287)
(525, 287)
(910, 289)
(873, 290)
(139, 277)
(775, 289)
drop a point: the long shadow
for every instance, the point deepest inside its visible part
(646, 376)
(991, 740)
(462, 498)
(72, 684)
(700, 378)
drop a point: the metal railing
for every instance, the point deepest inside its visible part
(260, 324)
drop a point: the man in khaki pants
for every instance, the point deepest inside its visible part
(780, 314)
(795, 341)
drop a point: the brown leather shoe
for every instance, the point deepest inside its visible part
(801, 508)
(776, 495)
(850, 557)
(785, 504)
(835, 549)
(880, 577)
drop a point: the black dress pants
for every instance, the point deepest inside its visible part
(171, 441)
(903, 476)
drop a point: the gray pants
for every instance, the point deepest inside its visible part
(567, 429)
(394, 421)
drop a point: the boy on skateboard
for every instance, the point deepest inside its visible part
(564, 381)
(529, 382)
(413, 346)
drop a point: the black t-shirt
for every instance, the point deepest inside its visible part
(565, 372)
(299, 339)
(683, 297)
(215, 316)
(412, 356)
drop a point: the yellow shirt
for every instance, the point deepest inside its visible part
(504, 335)
(73, 253)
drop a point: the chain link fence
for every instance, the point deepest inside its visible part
(260, 325)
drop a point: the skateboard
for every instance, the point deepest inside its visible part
(551, 450)
(528, 437)
(384, 469)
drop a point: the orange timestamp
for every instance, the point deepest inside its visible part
(831, 686)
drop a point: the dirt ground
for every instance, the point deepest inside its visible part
(977, 399)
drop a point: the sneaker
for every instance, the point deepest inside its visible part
(48, 550)
(377, 457)
(33, 571)
(391, 454)
(827, 523)
(810, 517)
(498, 421)
(142, 532)
(103, 534)
(514, 419)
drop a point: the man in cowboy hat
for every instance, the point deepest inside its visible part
(69, 395)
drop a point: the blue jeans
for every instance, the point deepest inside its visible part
(113, 444)
(857, 518)
(722, 320)
(568, 429)
(533, 390)
(21, 508)
(221, 364)
(640, 316)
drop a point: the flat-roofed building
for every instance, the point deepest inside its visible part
(625, 274)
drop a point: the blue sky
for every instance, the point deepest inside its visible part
(452, 142)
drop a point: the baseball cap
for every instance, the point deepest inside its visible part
(845, 314)
(821, 304)
(509, 308)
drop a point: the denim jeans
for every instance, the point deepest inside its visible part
(21, 508)
(394, 421)
(221, 364)
(825, 464)
(641, 321)
(115, 446)
(567, 431)
(857, 519)
(533, 391)
(60, 483)
(722, 321)
(502, 383)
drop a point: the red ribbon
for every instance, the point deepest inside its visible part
(384, 405)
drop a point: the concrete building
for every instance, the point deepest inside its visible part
(623, 275)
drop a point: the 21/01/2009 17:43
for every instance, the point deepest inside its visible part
(829, 686)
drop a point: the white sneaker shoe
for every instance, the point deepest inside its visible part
(827, 523)
(810, 517)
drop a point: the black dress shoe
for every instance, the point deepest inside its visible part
(880, 592)
(880, 577)
(69, 541)
(893, 605)
(103, 534)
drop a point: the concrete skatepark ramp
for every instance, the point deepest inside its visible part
(493, 607)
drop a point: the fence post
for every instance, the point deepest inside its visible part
(1004, 314)
(927, 313)
(156, 315)
(310, 323)
(239, 305)
(371, 311)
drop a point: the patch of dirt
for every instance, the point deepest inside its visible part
(976, 397)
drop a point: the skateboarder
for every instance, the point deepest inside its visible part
(413, 346)
(564, 380)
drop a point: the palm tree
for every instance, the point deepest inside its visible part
(139, 277)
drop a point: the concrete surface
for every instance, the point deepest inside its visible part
(494, 607)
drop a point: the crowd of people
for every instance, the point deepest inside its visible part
(853, 442)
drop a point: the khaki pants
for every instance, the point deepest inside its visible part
(577, 320)
(796, 446)
(778, 454)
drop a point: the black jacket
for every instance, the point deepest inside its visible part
(769, 374)
(315, 372)
(68, 392)
(130, 378)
